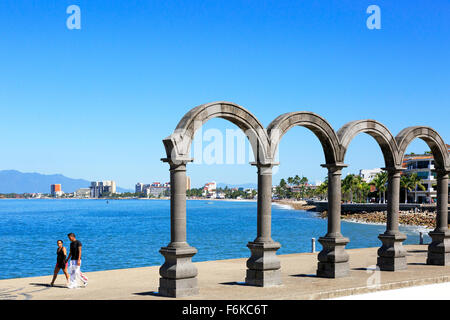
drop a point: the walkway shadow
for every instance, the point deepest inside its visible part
(363, 269)
(234, 283)
(47, 285)
(417, 251)
(303, 275)
(417, 264)
(150, 293)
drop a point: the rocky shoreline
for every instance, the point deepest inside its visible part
(296, 205)
(426, 219)
(409, 218)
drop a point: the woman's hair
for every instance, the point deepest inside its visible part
(59, 241)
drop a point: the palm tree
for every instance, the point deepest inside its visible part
(290, 180)
(302, 183)
(322, 190)
(362, 188)
(348, 185)
(414, 182)
(281, 189)
(365, 190)
(404, 183)
(380, 181)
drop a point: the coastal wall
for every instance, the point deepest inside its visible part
(370, 207)
(321, 206)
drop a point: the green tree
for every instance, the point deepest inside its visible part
(349, 185)
(380, 181)
(411, 182)
(322, 190)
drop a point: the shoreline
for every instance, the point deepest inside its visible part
(163, 198)
(295, 204)
(424, 219)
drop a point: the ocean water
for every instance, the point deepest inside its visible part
(129, 233)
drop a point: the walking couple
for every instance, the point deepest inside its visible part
(73, 262)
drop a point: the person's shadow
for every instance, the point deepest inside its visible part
(48, 285)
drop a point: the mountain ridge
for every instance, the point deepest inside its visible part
(14, 181)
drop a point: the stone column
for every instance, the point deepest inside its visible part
(333, 260)
(263, 266)
(178, 273)
(392, 254)
(439, 249)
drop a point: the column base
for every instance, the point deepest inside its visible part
(333, 270)
(439, 249)
(392, 254)
(392, 263)
(263, 266)
(333, 260)
(177, 288)
(263, 278)
(178, 273)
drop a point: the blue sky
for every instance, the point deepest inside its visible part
(95, 103)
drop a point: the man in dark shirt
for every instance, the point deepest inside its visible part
(75, 262)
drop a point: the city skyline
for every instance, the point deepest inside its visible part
(81, 102)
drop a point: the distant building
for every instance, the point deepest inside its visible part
(55, 190)
(156, 189)
(82, 193)
(139, 188)
(209, 190)
(220, 195)
(369, 174)
(302, 187)
(98, 188)
(423, 166)
(188, 183)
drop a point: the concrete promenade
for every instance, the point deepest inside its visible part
(223, 280)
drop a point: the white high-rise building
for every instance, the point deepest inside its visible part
(98, 188)
(139, 188)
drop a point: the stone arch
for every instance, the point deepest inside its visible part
(431, 138)
(438, 249)
(178, 144)
(318, 125)
(378, 131)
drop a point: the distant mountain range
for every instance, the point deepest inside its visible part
(244, 185)
(13, 181)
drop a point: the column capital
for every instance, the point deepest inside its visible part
(334, 167)
(177, 163)
(265, 164)
(264, 168)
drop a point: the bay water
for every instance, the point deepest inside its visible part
(120, 234)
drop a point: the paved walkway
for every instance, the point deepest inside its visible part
(222, 280)
(440, 291)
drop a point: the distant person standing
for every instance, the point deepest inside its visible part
(75, 262)
(61, 254)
